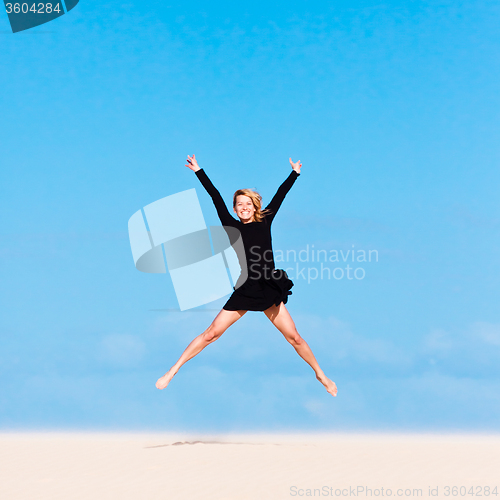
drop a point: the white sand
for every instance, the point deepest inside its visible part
(146, 466)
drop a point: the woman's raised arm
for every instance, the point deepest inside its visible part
(222, 211)
(278, 198)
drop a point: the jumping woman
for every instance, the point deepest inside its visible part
(265, 288)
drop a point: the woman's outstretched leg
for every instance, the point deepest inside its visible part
(282, 320)
(219, 325)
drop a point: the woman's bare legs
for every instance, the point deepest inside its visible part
(282, 320)
(219, 325)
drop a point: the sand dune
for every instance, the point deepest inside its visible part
(71, 466)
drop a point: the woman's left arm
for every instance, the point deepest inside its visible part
(278, 198)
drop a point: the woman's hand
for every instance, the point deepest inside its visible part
(192, 163)
(296, 166)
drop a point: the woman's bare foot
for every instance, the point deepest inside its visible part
(329, 384)
(162, 382)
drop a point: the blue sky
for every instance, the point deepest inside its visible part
(393, 109)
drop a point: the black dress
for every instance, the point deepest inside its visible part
(264, 285)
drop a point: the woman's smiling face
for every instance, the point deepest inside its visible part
(244, 208)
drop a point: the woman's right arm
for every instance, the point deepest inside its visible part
(222, 211)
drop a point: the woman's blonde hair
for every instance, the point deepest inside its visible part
(256, 200)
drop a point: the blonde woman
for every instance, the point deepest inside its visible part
(265, 288)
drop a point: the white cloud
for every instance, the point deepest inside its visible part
(487, 332)
(337, 338)
(121, 350)
(438, 340)
(317, 407)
